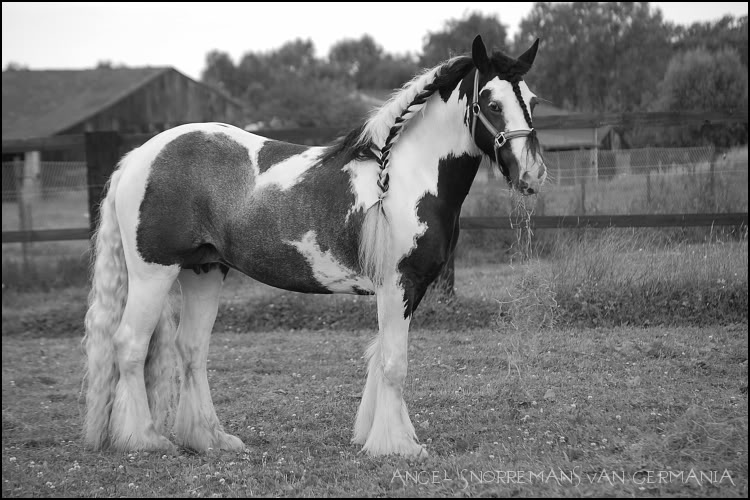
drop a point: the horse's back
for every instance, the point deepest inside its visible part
(215, 193)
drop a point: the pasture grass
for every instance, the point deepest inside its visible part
(502, 411)
(621, 277)
(589, 278)
(508, 397)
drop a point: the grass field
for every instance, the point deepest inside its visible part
(568, 412)
(505, 407)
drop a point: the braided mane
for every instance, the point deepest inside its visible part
(376, 129)
(402, 105)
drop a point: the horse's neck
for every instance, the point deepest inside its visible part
(436, 143)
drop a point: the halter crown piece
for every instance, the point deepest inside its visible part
(500, 138)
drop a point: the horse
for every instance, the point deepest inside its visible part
(375, 212)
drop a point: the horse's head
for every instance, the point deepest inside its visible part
(500, 116)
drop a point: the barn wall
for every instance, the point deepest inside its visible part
(167, 101)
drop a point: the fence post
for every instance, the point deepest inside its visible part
(712, 186)
(595, 159)
(102, 155)
(583, 195)
(28, 195)
(648, 188)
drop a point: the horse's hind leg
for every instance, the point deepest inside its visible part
(196, 425)
(131, 425)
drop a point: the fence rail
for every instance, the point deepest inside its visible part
(598, 221)
(40, 235)
(472, 223)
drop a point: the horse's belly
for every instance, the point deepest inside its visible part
(283, 255)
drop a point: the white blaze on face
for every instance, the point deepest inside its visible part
(328, 271)
(501, 91)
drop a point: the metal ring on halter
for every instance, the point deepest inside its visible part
(498, 137)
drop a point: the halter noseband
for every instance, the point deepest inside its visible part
(500, 138)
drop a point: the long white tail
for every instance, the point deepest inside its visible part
(107, 300)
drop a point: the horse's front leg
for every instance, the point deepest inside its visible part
(383, 425)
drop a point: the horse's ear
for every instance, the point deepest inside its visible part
(479, 55)
(529, 56)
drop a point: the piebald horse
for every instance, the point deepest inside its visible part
(377, 212)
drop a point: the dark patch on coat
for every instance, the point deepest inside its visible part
(188, 180)
(441, 215)
(200, 207)
(274, 152)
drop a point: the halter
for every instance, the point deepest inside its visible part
(500, 138)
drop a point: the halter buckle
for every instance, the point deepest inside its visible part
(499, 136)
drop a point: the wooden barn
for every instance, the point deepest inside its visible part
(568, 139)
(44, 103)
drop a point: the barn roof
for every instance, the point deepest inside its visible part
(41, 103)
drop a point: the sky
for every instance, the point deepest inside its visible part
(78, 35)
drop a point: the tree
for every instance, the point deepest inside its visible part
(458, 34)
(393, 71)
(367, 66)
(727, 32)
(357, 59)
(287, 85)
(221, 73)
(700, 80)
(14, 66)
(597, 56)
(296, 57)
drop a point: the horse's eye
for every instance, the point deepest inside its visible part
(494, 106)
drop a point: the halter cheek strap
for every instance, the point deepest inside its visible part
(500, 138)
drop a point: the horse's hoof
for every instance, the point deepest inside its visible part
(220, 441)
(229, 442)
